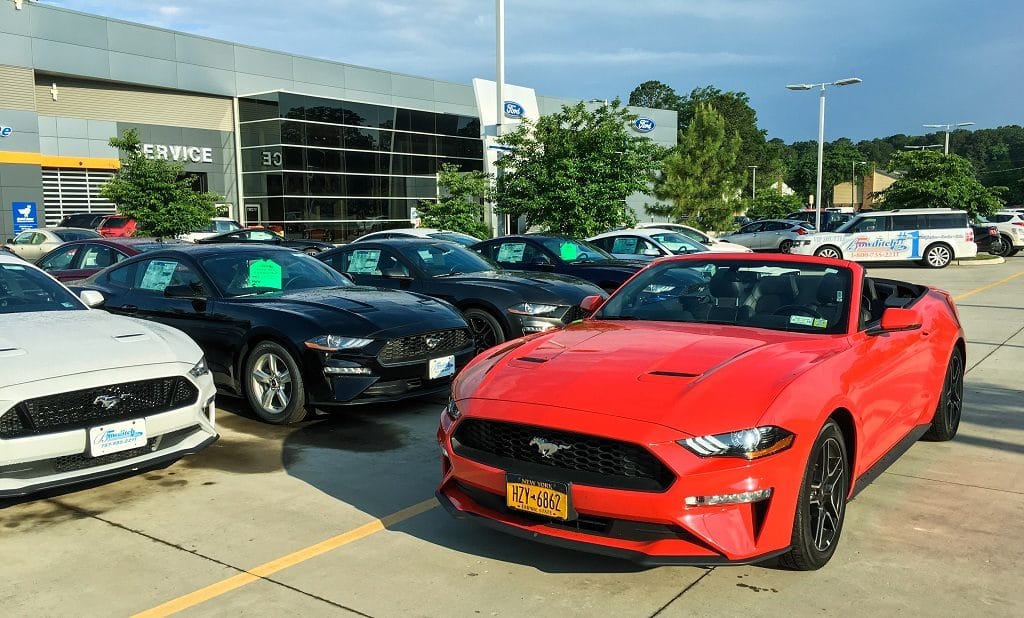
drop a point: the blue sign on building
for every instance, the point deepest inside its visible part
(6, 131)
(514, 110)
(643, 124)
(26, 216)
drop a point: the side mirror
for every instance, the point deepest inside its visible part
(183, 291)
(10, 241)
(540, 260)
(591, 303)
(91, 298)
(896, 319)
(394, 273)
(652, 252)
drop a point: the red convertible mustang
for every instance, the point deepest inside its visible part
(716, 409)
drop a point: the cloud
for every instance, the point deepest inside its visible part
(628, 56)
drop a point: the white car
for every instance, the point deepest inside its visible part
(85, 394)
(33, 244)
(422, 232)
(713, 244)
(1010, 225)
(649, 243)
(217, 225)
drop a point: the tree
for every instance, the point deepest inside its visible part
(739, 118)
(837, 166)
(460, 208)
(570, 172)
(933, 180)
(156, 192)
(699, 178)
(773, 205)
(655, 94)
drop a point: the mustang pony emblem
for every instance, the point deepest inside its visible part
(108, 402)
(547, 449)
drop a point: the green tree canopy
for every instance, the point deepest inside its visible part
(838, 166)
(699, 178)
(156, 192)
(655, 94)
(932, 180)
(460, 208)
(571, 172)
(773, 205)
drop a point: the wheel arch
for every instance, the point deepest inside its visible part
(848, 426)
(256, 337)
(492, 310)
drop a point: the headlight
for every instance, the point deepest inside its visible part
(534, 309)
(199, 369)
(747, 443)
(452, 410)
(334, 343)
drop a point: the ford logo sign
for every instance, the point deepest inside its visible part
(643, 125)
(513, 110)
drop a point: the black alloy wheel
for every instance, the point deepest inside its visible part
(946, 421)
(821, 506)
(486, 330)
(786, 246)
(999, 246)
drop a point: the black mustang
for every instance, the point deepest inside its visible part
(560, 255)
(263, 236)
(286, 331)
(497, 304)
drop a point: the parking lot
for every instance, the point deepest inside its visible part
(337, 516)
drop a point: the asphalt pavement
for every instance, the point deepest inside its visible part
(336, 517)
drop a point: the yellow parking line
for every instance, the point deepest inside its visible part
(264, 570)
(986, 287)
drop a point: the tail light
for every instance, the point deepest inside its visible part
(800, 231)
(992, 231)
(1020, 223)
(970, 235)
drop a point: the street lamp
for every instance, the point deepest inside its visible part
(499, 10)
(753, 181)
(821, 132)
(853, 180)
(948, 127)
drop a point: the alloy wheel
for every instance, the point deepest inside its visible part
(827, 494)
(938, 256)
(829, 252)
(955, 392)
(483, 332)
(271, 382)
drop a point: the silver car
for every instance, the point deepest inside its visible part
(33, 244)
(769, 235)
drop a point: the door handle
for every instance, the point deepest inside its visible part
(129, 309)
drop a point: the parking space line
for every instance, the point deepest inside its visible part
(987, 287)
(269, 568)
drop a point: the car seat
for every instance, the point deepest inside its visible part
(769, 294)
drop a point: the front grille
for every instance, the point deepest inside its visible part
(422, 347)
(78, 409)
(589, 460)
(574, 313)
(82, 461)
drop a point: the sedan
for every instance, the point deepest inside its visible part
(421, 232)
(35, 243)
(283, 330)
(769, 235)
(653, 243)
(264, 236)
(497, 304)
(80, 259)
(625, 434)
(86, 395)
(561, 255)
(713, 244)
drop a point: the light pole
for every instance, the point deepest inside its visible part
(821, 133)
(853, 180)
(499, 10)
(753, 181)
(948, 127)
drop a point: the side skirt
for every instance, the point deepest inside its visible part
(888, 459)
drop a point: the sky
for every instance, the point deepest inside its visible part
(922, 61)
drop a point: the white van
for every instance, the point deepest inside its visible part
(932, 236)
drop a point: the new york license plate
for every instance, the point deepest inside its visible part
(441, 367)
(539, 497)
(117, 437)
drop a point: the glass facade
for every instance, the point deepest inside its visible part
(335, 170)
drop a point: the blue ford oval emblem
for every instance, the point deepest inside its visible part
(643, 124)
(513, 110)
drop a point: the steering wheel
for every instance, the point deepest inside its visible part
(289, 283)
(798, 310)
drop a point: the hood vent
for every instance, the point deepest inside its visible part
(132, 337)
(674, 374)
(9, 352)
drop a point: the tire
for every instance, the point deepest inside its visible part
(487, 331)
(1002, 247)
(946, 420)
(938, 255)
(1012, 252)
(311, 251)
(829, 251)
(821, 506)
(786, 246)
(273, 384)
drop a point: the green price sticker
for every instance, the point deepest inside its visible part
(568, 251)
(265, 274)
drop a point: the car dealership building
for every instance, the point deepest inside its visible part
(317, 148)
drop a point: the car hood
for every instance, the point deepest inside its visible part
(533, 286)
(697, 379)
(380, 312)
(49, 344)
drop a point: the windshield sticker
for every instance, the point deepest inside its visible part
(264, 274)
(364, 262)
(158, 275)
(568, 251)
(624, 245)
(802, 320)
(13, 267)
(839, 296)
(513, 253)
(831, 271)
(820, 323)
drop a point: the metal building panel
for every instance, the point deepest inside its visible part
(259, 62)
(140, 40)
(204, 52)
(141, 70)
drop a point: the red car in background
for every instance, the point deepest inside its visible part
(117, 226)
(81, 259)
(717, 408)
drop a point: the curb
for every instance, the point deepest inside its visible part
(985, 262)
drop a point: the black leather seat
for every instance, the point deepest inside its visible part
(726, 292)
(769, 294)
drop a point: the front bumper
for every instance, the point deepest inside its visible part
(643, 526)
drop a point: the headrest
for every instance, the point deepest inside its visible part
(784, 285)
(829, 288)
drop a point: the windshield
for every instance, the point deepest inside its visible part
(695, 235)
(24, 289)
(67, 235)
(677, 243)
(575, 250)
(266, 272)
(782, 296)
(441, 259)
(463, 239)
(115, 222)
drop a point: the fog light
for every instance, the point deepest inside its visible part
(740, 498)
(347, 371)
